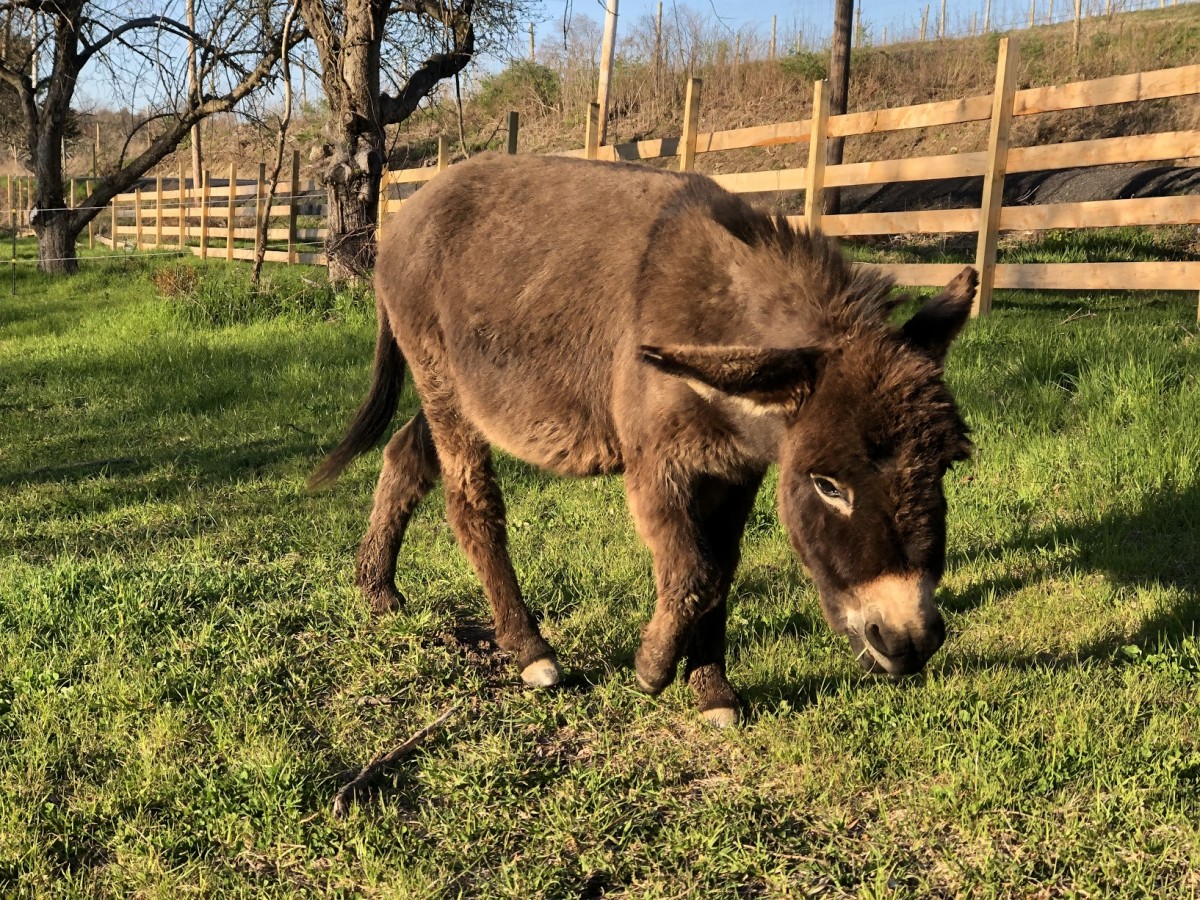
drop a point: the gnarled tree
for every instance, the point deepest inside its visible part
(352, 38)
(143, 53)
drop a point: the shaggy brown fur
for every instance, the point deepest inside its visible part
(593, 318)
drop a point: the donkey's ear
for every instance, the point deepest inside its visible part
(766, 376)
(938, 322)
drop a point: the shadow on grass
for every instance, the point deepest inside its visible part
(1152, 547)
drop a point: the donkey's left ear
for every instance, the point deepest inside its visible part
(939, 320)
(766, 376)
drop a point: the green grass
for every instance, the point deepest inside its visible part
(187, 674)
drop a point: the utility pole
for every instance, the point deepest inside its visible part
(607, 49)
(839, 88)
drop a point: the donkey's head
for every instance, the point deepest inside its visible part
(869, 430)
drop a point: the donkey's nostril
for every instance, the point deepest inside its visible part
(879, 642)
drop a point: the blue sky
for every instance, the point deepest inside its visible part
(816, 16)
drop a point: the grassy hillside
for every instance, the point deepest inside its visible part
(187, 673)
(552, 99)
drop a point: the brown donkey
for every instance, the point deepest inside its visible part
(597, 318)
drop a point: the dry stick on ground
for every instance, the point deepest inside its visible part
(341, 803)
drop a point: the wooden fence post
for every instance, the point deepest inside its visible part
(814, 171)
(691, 122)
(231, 212)
(259, 212)
(592, 139)
(137, 217)
(293, 252)
(385, 187)
(205, 200)
(87, 189)
(514, 127)
(993, 179)
(158, 212)
(443, 152)
(113, 235)
(182, 208)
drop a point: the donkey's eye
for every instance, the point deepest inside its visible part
(828, 488)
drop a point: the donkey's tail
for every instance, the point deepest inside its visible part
(372, 418)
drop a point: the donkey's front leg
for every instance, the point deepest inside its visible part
(666, 511)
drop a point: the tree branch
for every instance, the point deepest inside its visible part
(394, 110)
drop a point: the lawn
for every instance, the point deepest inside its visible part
(187, 674)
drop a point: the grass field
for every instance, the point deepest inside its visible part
(187, 674)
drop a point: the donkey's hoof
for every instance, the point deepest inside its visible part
(542, 673)
(384, 600)
(654, 686)
(652, 678)
(721, 717)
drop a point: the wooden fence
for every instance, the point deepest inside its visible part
(999, 109)
(221, 218)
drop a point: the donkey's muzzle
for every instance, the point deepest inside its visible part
(891, 651)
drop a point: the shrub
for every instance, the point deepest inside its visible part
(806, 66)
(521, 85)
(220, 295)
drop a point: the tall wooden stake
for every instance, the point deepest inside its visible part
(993, 179)
(691, 124)
(814, 172)
(607, 49)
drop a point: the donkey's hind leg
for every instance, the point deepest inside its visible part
(476, 511)
(410, 469)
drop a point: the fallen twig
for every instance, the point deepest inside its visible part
(1078, 314)
(341, 802)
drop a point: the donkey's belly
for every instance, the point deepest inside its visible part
(565, 443)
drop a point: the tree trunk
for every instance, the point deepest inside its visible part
(839, 89)
(352, 179)
(56, 233)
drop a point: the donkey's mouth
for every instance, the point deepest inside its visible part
(873, 662)
(864, 655)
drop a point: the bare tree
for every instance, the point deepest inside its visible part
(352, 38)
(142, 52)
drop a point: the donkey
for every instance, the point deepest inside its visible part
(597, 318)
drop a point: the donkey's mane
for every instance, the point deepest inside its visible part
(835, 296)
